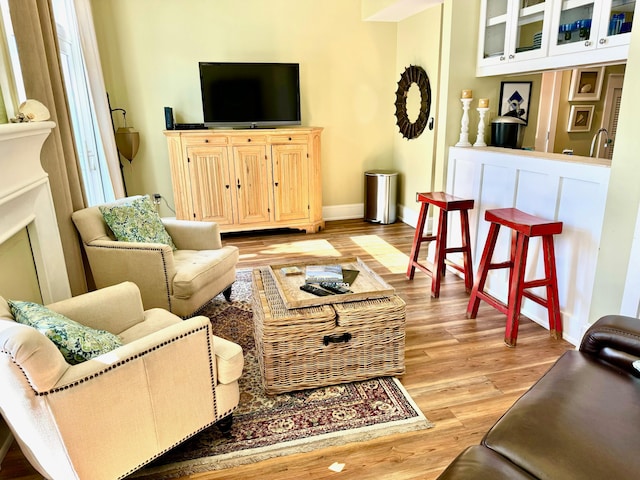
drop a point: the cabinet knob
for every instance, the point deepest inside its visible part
(502, 59)
(289, 138)
(206, 140)
(602, 41)
(238, 183)
(248, 139)
(587, 43)
(511, 57)
(276, 184)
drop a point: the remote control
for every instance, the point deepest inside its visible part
(315, 290)
(334, 287)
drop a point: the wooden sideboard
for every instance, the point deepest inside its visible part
(248, 179)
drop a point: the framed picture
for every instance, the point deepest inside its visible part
(586, 84)
(580, 118)
(515, 100)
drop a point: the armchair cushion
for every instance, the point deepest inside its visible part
(195, 269)
(75, 341)
(136, 221)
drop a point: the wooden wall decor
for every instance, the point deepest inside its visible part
(413, 74)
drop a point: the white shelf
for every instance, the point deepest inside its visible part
(571, 4)
(496, 20)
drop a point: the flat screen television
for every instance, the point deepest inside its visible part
(250, 95)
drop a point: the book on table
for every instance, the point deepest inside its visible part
(334, 274)
(323, 273)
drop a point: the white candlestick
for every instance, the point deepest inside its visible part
(464, 124)
(482, 111)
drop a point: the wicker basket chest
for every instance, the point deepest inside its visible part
(324, 345)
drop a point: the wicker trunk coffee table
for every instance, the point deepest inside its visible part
(328, 343)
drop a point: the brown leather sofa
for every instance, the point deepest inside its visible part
(581, 420)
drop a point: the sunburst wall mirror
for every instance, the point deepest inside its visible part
(413, 75)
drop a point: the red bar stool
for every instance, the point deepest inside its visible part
(523, 226)
(445, 203)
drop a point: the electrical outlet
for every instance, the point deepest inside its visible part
(156, 198)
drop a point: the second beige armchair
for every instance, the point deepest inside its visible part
(180, 280)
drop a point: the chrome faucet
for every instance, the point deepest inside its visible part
(596, 140)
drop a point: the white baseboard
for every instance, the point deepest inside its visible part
(343, 212)
(356, 210)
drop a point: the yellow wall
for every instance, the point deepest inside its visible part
(16, 258)
(150, 51)
(580, 142)
(418, 44)
(623, 197)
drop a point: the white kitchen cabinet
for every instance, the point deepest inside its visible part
(518, 36)
(513, 31)
(586, 25)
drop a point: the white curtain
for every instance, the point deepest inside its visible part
(98, 92)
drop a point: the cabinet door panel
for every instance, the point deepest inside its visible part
(210, 180)
(290, 182)
(253, 181)
(180, 180)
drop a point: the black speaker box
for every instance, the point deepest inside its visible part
(168, 118)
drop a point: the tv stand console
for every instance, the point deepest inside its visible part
(248, 179)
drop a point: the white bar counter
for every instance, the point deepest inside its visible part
(570, 189)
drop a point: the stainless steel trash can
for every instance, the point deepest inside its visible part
(380, 196)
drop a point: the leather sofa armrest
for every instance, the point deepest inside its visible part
(192, 235)
(616, 340)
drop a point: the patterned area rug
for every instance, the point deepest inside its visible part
(267, 426)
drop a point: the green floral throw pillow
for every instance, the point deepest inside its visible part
(75, 341)
(136, 221)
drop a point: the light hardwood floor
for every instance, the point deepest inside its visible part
(458, 371)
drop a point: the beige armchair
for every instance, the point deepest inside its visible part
(110, 415)
(180, 281)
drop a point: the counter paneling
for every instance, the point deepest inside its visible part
(550, 186)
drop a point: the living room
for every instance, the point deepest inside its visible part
(349, 71)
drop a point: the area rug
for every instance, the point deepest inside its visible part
(267, 426)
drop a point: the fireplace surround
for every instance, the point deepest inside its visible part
(26, 203)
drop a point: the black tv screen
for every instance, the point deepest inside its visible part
(250, 94)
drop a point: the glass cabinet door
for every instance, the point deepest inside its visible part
(495, 29)
(616, 21)
(532, 26)
(514, 30)
(581, 25)
(576, 19)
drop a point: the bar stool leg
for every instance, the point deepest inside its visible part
(440, 254)
(516, 288)
(466, 250)
(483, 270)
(553, 302)
(417, 240)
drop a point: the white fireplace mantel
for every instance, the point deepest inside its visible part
(26, 202)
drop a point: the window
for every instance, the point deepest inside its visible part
(95, 175)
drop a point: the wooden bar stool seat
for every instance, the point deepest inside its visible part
(523, 227)
(446, 203)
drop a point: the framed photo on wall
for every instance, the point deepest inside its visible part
(515, 100)
(580, 118)
(586, 84)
